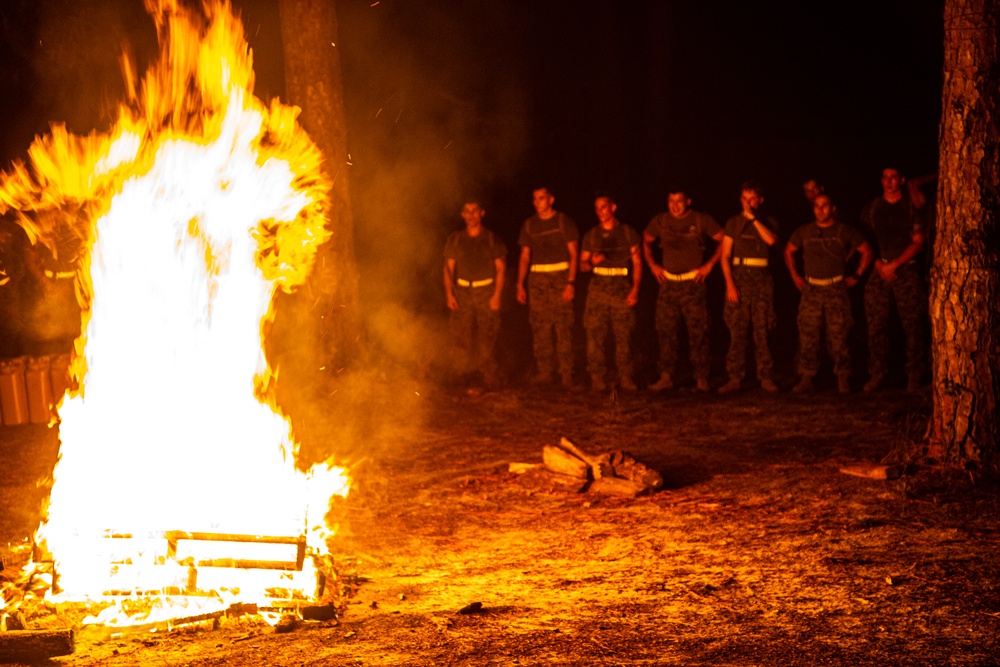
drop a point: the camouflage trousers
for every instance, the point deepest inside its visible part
(474, 327)
(907, 290)
(832, 305)
(548, 315)
(755, 310)
(606, 314)
(683, 300)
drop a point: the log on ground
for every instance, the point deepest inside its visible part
(35, 645)
(557, 459)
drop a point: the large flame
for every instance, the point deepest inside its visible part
(195, 208)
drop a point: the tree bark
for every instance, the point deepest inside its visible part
(965, 318)
(314, 82)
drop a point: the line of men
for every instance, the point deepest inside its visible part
(552, 255)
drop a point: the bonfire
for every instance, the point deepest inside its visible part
(177, 477)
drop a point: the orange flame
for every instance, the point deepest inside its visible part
(195, 208)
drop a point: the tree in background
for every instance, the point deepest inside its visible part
(314, 82)
(965, 299)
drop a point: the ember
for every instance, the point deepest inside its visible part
(196, 207)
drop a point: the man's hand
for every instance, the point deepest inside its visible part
(568, 293)
(596, 258)
(452, 302)
(732, 294)
(522, 294)
(703, 272)
(632, 298)
(659, 273)
(799, 281)
(851, 281)
(495, 302)
(886, 270)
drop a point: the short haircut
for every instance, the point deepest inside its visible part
(678, 189)
(604, 194)
(472, 200)
(753, 186)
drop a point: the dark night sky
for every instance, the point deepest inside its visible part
(451, 97)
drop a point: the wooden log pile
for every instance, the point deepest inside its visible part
(615, 472)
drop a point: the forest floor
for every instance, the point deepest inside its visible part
(758, 551)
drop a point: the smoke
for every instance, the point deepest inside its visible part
(435, 114)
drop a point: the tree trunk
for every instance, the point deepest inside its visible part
(965, 318)
(314, 82)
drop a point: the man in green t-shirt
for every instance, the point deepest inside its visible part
(475, 262)
(682, 233)
(611, 251)
(826, 247)
(549, 243)
(749, 289)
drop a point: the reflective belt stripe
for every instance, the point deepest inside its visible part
(549, 268)
(750, 261)
(462, 282)
(4, 280)
(681, 277)
(60, 274)
(610, 271)
(823, 282)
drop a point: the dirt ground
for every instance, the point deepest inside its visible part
(758, 551)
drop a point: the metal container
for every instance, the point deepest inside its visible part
(60, 376)
(38, 383)
(13, 394)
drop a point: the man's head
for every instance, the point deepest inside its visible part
(892, 182)
(472, 213)
(542, 199)
(751, 196)
(678, 203)
(812, 189)
(605, 207)
(823, 209)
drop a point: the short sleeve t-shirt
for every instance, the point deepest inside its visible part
(475, 256)
(893, 225)
(746, 240)
(682, 239)
(616, 245)
(825, 249)
(548, 238)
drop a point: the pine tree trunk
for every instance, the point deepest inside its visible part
(314, 82)
(964, 304)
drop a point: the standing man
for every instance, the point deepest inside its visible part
(682, 233)
(749, 289)
(15, 267)
(549, 241)
(475, 262)
(826, 246)
(611, 249)
(898, 230)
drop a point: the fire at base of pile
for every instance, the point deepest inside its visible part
(177, 579)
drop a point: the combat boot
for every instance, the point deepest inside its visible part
(730, 387)
(626, 383)
(597, 383)
(701, 384)
(875, 382)
(767, 384)
(664, 383)
(805, 384)
(844, 384)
